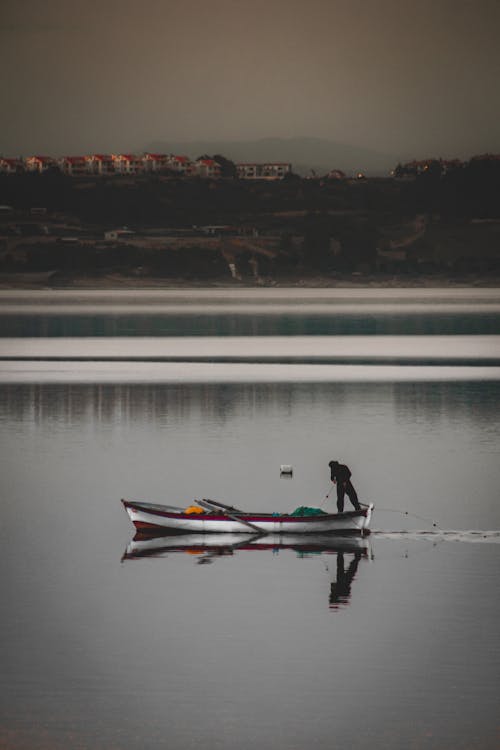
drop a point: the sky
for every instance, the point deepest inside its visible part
(413, 78)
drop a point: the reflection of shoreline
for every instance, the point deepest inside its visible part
(237, 374)
(186, 296)
(377, 349)
(104, 403)
(117, 282)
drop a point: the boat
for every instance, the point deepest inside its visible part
(215, 517)
(215, 545)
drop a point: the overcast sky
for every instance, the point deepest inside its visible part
(405, 77)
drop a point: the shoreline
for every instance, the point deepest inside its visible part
(115, 282)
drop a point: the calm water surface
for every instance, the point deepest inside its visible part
(251, 312)
(114, 643)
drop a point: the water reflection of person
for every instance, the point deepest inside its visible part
(340, 590)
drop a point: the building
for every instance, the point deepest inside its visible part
(181, 164)
(207, 168)
(39, 163)
(73, 166)
(11, 166)
(155, 162)
(263, 171)
(101, 164)
(128, 164)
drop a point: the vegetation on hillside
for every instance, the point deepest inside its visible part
(427, 222)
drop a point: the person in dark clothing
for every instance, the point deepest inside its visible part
(341, 476)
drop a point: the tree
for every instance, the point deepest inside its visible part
(227, 167)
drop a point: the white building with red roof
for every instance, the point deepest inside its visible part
(181, 164)
(101, 164)
(39, 163)
(11, 166)
(128, 164)
(155, 162)
(207, 168)
(73, 166)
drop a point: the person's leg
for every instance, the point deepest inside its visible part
(340, 496)
(352, 495)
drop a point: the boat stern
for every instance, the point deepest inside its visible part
(365, 530)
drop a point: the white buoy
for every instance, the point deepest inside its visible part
(286, 470)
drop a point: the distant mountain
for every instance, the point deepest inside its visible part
(305, 154)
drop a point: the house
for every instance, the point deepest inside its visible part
(155, 162)
(73, 166)
(181, 164)
(101, 164)
(11, 166)
(276, 171)
(128, 164)
(39, 163)
(247, 171)
(207, 168)
(263, 171)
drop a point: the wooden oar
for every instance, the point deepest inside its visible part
(221, 505)
(214, 506)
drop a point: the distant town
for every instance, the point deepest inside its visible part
(207, 167)
(164, 219)
(133, 164)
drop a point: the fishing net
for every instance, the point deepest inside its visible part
(303, 510)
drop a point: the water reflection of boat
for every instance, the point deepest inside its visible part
(219, 518)
(213, 545)
(346, 552)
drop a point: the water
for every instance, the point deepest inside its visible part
(112, 643)
(251, 312)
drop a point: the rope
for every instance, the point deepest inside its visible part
(326, 496)
(413, 515)
(389, 510)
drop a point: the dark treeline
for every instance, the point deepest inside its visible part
(319, 225)
(470, 190)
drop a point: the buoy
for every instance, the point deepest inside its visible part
(286, 470)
